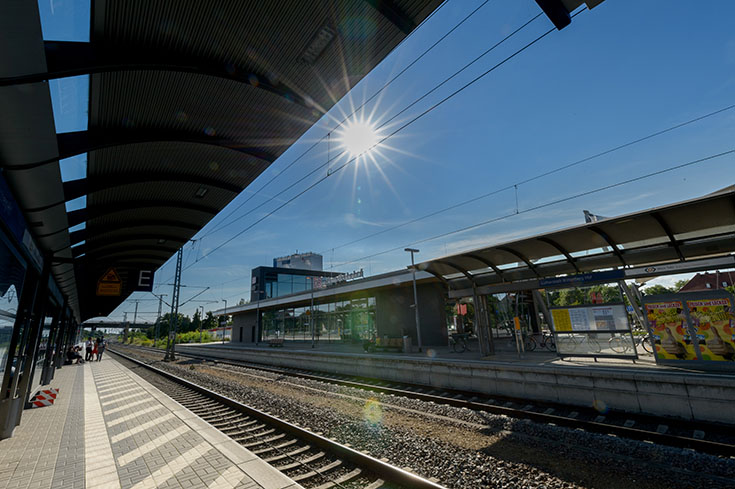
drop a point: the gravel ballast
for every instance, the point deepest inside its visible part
(460, 448)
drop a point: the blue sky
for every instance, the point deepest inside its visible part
(619, 72)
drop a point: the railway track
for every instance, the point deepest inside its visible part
(701, 437)
(313, 461)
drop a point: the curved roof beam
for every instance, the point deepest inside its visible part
(82, 234)
(82, 215)
(101, 243)
(520, 256)
(487, 262)
(124, 250)
(80, 142)
(610, 242)
(665, 226)
(65, 59)
(439, 276)
(456, 267)
(561, 250)
(85, 186)
(138, 258)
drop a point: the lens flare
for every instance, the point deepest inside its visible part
(372, 412)
(358, 137)
(600, 406)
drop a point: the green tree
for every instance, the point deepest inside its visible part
(679, 284)
(657, 290)
(210, 321)
(184, 324)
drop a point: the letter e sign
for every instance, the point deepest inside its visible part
(145, 281)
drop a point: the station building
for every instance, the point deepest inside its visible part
(694, 235)
(347, 310)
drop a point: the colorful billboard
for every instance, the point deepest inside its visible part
(698, 326)
(668, 324)
(714, 323)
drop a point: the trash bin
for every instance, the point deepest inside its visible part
(406, 344)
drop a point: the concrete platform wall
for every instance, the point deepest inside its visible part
(704, 397)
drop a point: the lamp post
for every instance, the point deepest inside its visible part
(415, 297)
(201, 317)
(225, 325)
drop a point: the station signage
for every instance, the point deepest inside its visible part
(323, 282)
(582, 278)
(109, 284)
(144, 281)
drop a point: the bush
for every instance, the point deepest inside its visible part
(193, 337)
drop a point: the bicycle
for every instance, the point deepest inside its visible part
(547, 341)
(573, 342)
(529, 342)
(621, 344)
(458, 342)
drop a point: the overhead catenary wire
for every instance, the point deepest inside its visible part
(534, 178)
(385, 138)
(538, 207)
(329, 160)
(340, 123)
(547, 204)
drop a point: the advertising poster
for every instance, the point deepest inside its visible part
(714, 323)
(670, 331)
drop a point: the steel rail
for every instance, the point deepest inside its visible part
(705, 446)
(386, 471)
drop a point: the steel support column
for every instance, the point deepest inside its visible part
(38, 314)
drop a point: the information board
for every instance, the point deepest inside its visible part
(600, 317)
(595, 330)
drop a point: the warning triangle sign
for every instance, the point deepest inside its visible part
(110, 276)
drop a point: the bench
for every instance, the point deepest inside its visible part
(383, 343)
(275, 342)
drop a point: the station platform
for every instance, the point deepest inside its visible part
(642, 387)
(109, 428)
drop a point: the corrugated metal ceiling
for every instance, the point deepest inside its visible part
(264, 38)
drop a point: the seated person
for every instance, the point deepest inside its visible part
(73, 354)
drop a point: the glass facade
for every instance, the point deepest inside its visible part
(285, 284)
(350, 320)
(12, 277)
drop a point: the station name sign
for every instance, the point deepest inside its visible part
(323, 282)
(582, 278)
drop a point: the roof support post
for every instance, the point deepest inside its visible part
(633, 302)
(483, 323)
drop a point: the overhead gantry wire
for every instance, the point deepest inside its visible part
(385, 138)
(466, 66)
(547, 204)
(540, 206)
(222, 225)
(535, 177)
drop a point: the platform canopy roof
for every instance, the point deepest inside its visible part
(189, 102)
(698, 228)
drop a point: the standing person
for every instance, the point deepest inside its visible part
(88, 348)
(101, 349)
(95, 349)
